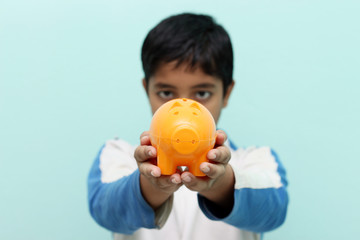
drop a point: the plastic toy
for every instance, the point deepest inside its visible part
(182, 131)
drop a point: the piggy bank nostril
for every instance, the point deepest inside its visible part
(185, 139)
(176, 113)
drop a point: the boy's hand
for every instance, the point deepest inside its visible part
(218, 186)
(155, 188)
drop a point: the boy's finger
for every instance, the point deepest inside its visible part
(220, 137)
(149, 170)
(144, 153)
(168, 181)
(212, 170)
(175, 178)
(188, 179)
(220, 154)
(145, 138)
(145, 133)
(194, 183)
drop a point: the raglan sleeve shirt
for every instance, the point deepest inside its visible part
(116, 203)
(260, 195)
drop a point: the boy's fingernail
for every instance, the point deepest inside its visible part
(152, 174)
(212, 156)
(187, 179)
(150, 153)
(173, 181)
(206, 169)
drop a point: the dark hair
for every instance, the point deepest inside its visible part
(192, 39)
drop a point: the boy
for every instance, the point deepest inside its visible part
(244, 192)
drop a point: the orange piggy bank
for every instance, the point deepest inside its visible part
(182, 131)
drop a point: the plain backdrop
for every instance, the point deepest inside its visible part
(70, 78)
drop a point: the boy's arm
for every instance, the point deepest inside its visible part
(155, 188)
(218, 185)
(114, 193)
(260, 196)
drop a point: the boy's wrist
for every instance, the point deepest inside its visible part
(222, 191)
(154, 195)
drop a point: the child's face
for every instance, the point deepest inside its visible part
(169, 83)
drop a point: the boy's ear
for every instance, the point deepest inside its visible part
(228, 93)
(144, 85)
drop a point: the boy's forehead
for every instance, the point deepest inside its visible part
(181, 64)
(170, 74)
(175, 66)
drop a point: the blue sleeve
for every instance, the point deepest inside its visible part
(118, 206)
(256, 210)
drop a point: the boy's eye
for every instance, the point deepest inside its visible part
(202, 95)
(165, 94)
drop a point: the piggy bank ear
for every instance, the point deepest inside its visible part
(195, 105)
(176, 104)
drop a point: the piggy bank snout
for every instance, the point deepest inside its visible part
(185, 139)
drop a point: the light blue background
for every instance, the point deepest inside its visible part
(70, 78)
